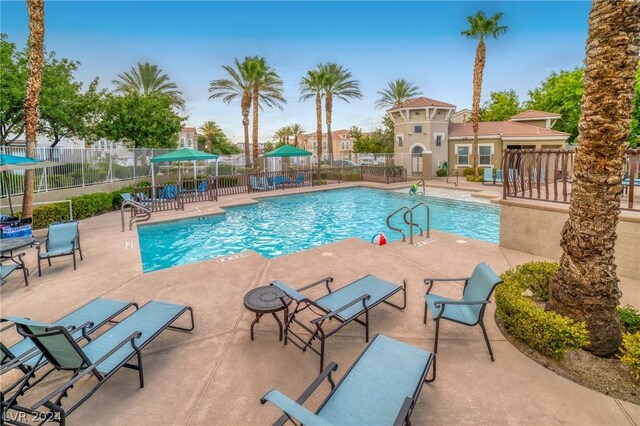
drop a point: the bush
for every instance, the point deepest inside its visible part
(629, 318)
(472, 178)
(441, 172)
(546, 331)
(630, 352)
(468, 171)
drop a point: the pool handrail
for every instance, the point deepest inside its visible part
(408, 211)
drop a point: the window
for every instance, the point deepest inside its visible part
(399, 138)
(314, 144)
(417, 129)
(438, 138)
(181, 141)
(484, 155)
(324, 145)
(462, 153)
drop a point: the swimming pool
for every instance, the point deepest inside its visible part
(287, 224)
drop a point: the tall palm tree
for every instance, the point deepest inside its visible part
(148, 78)
(266, 89)
(35, 10)
(211, 131)
(311, 86)
(585, 287)
(481, 28)
(338, 82)
(235, 87)
(296, 131)
(283, 134)
(397, 92)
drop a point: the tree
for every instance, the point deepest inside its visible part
(65, 111)
(311, 87)
(397, 92)
(338, 82)
(13, 80)
(501, 106)
(283, 134)
(143, 121)
(380, 141)
(561, 93)
(147, 79)
(481, 28)
(211, 131)
(266, 89)
(296, 131)
(230, 89)
(585, 287)
(35, 10)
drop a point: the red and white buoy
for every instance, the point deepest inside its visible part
(379, 239)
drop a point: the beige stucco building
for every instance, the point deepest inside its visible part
(431, 129)
(341, 140)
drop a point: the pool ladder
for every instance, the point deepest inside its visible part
(135, 217)
(407, 217)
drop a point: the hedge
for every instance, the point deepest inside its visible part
(546, 331)
(84, 206)
(630, 352)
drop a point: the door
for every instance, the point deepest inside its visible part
(416, 161)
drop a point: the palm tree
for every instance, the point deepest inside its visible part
(211, 131)
(296, 131)
(266, 89)
(283, 134)
(311, 86)
(148, 78)
(338, 82)
(397, 92)
(585, 287)
(35, 10)
(481, 28)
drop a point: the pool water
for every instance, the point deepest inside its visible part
(287, 224)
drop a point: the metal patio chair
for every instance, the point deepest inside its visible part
(63, 239)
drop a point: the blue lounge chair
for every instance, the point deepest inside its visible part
(168, 192)
(467, 311)
(498, 177)
(488, 176)
(100, 359)
(202, 186)
(63, 239)
(381, 388)
(16, 263)
(299, 180)
(348, 304)
(253, 183)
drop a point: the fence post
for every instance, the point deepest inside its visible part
(82, 164)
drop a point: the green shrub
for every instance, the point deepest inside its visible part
(546, 331)
(46, 214)
(629, 318)
(471, 178)
(630, 352)
(468, 171)
(441, 172)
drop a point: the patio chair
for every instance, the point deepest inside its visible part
(498, 177)
(80, 324)
(63, 239)
(16, 263)
(253, 183)
(202, 186)
(345, 305)
(488, 175)
(467, 311)
(380, 388)
(101, 358)
(299, 179)
(168, 192)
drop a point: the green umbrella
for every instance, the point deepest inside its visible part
(182, 154)
(287, 151)
(14, 162)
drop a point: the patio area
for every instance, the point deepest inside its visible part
(216, 374)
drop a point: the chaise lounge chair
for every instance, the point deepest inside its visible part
(101, 358)
(63, 239)
(467, 311)
(488, 175)
(16, 263)
(253, 183)
(345, 305)
(381, 388)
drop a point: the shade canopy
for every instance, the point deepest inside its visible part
(184, 154)
(15, 162)
(287, 151)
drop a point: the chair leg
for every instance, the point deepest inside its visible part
(74, 260)
(435, 343)
(424, 320)
(39, 268)
(24, 272)
(366, 319)
(486, 339)
(49, 260)
(80, 251)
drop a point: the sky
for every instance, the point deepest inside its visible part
(377, 41)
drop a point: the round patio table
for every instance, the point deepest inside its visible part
(11, 244)
(267, 300)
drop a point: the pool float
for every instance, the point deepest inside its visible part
(379, 239)
(413, 189)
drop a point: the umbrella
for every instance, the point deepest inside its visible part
(183, 154)
(14, 162)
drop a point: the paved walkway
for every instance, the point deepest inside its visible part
(216, 374)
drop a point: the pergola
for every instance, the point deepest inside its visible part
(183, 154)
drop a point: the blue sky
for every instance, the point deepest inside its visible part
(377, 41)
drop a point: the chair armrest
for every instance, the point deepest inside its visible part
(443, 304)
(337, 311)
(292, 408)
(404, 412)
(326, 281)
(429, 281)
(87, 370)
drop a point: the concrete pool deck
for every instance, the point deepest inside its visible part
(216, 374)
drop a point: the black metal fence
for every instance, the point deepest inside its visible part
(547, 175)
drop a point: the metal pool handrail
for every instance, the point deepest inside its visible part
(404, 216)
(408, 211)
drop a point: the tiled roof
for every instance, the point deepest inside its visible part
(189, 129)
(501, 128)
(421, 102)
(533, 114)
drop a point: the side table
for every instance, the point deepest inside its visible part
(267, 300)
